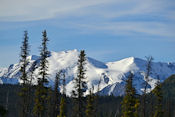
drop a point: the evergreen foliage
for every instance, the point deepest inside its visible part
(50, 111)
(56, 95)
(23, 60)
(90, 107)
(41, 90)
(3, 111)
(25, 89)
(44, 54)
(168, 87)
(80, 86)
(130, 102)
(107, 105)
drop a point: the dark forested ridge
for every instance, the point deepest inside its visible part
(107, 106)
(168, 87)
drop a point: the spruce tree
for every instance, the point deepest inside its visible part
(159, 99)
(41, 90)
(90, 107)
(56, 94)
(130, 102)
(24, 91)
(44, 54)
(80, 86)
(24, 61)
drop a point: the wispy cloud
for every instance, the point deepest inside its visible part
(21, 10)
(120, 17)
(130, 28)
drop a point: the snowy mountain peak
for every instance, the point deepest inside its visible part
(124, 65)
(74, 51)
(112, 74)
(131, 60)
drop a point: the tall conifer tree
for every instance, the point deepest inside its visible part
(24, 61)
(24, 92)
(80, 86)
(130, 102)
(41, 91)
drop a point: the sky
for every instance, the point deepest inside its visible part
(108, 30)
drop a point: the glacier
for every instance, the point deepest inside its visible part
(111, 74)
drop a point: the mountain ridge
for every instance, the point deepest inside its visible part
(113, 74)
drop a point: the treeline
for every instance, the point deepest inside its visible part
(108, 106)
(43, 101)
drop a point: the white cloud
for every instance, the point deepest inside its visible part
(27, 10)
(96, 15)
(127, 28)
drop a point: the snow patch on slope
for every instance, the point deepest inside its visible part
(3, 71)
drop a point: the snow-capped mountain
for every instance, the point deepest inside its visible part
(112, 74)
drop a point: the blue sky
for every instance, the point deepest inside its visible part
(108, 30)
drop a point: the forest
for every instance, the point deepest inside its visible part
(28, 100)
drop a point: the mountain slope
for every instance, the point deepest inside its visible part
(112, 74)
